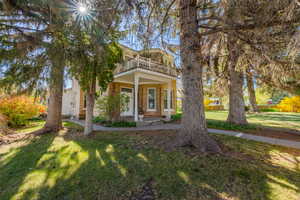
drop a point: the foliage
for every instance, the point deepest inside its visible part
(19, 109)
(268, 110)
(92, 59)
(290, 104)
(262, 96)
(104, 122)
(99, 120)
(216, 107)
(112, 105)
(179, 106)
(176, 117)
(207, 102)
(121, 124)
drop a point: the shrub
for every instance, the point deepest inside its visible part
(121, 124)
(19, 109)
(111, 106)
(268, 110)
(176, 117)
(99, 120)
(214, 108)
(207, 102)
(290, 104)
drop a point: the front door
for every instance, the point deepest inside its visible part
(129, 107)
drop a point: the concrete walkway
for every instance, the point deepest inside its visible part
(280, 142)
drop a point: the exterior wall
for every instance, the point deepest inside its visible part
(143, 99)
(115, 88)
(67, 103)
(71, 100)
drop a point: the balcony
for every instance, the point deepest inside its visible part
(139, 62)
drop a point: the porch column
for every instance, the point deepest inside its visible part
(169, 100)
(136, 90)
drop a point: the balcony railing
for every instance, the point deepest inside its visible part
(145, 63)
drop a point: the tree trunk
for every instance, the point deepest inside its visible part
(90, 103)
(194, 130)
(237, 113)
(54, 118)
(251, 91)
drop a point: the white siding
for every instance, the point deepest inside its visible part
(71, 100)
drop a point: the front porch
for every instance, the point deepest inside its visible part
(152, 95)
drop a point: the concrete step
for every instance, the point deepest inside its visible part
(149, 123)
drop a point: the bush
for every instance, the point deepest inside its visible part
(99, 120)
(247, 108)
(176, 117)
(290, 104)
(268, 110)
(214, 108)
(111, 106)
(19, 109)
(121, 124)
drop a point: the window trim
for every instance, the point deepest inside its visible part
(132, 95)
(172, 100)
(155, 101)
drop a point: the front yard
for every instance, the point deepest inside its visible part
(115, 166)
(270, 119)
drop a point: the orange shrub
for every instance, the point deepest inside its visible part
(19, 109)
(290, 104)
(215, 108)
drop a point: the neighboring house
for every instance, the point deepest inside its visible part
(215, 101)
(147, 77)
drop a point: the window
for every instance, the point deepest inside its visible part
(84, 102)
(152, 99)
(166, 99)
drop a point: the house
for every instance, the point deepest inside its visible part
(148, 77)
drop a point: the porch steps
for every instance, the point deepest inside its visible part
(153, 122)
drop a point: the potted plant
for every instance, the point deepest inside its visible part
(141, 114)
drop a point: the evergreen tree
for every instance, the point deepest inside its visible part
(93, 62)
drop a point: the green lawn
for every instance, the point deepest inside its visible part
(32, 126)
(113, 166)
(271, 119)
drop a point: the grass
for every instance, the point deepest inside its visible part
(272, 119)
(115, 166)
(32, 126)
(282, 120)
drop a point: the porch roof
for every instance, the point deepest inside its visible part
(145, 77)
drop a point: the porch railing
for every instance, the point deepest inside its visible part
(131, 63)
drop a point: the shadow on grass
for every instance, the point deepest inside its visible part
(110, 166)
(275, 117)
(18, 163)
